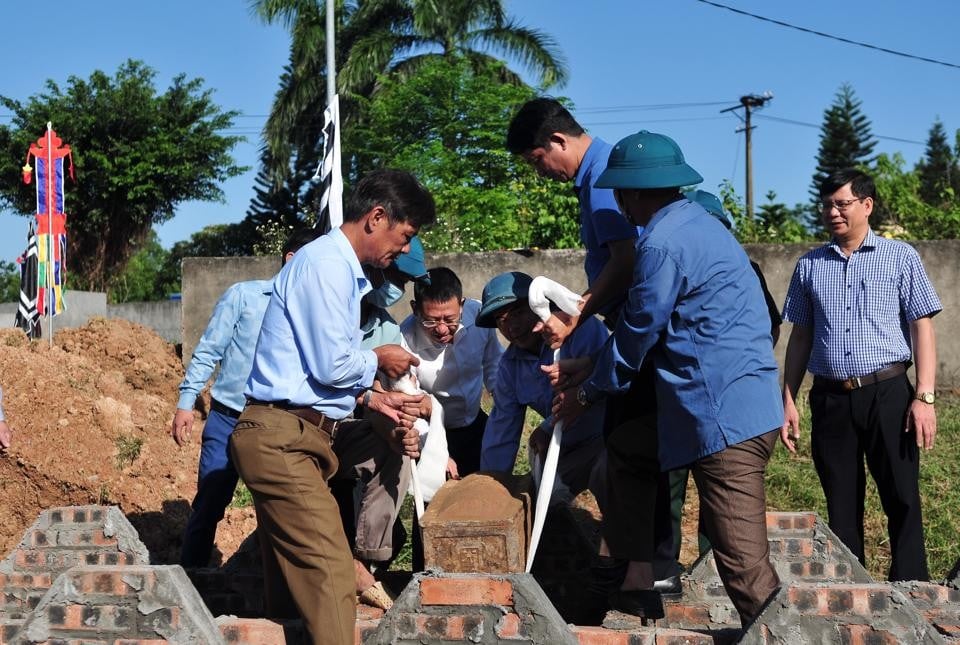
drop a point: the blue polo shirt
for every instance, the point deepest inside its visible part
(695, 299)
(601, 221)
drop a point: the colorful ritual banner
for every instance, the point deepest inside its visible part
(49, 153)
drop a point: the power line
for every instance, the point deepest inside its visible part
(831, 36)
(652, 106)
(814, 125)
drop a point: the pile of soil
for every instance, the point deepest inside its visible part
(91, 418)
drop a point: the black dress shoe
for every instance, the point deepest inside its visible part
(644, 603)
(669, 587)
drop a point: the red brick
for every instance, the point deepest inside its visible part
(865, 634)
(600, 636)
(363, 629)
(103, 582)
(466, 591)
(366, 612)
(686, 614)
(509, 626)
(252, 631)
(455, 628)
(26, 580)
(151, 641)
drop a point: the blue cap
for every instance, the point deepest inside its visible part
(710, 202)
(647, 160)
(411, 262)
(502, 290)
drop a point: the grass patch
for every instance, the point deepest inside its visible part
(241, 496)
(128, 449)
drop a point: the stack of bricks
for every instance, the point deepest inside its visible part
(939, 605)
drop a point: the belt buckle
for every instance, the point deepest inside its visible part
(853, 383)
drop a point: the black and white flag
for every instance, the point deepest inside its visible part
(328, 172)
(28, 318)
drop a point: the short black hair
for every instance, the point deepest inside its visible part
(536, 120)
(444, 285)
(398, 192)
(299, 238)
(861, 184)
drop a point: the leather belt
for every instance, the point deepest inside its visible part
(857, 382)
(308, 414)
(226, 411)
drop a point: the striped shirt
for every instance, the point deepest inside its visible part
(859, 307)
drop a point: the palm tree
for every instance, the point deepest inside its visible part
(377, 37)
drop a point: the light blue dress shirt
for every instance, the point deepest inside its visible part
(696, 301)
(600, 219)
(229, 340)
(521, 383)
(859, 307)
(309, 353)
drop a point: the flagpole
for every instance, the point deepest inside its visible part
(48, 278)
(331, 63)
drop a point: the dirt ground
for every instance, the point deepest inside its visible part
(91, 418)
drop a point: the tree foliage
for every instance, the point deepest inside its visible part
(909, 216)
(377, 37)
(138, 154)
(846, 139)
(447, 125)
(939, 171)
(772, 223)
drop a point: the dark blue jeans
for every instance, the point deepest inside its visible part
(216, 481)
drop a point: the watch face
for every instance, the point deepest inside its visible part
(927, 397)
(581, 397)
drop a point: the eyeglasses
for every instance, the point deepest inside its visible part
(426, 323)
(840, 204)
(509, 313)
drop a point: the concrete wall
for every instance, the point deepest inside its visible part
(205, 279)
(81, 307)
(163, 316)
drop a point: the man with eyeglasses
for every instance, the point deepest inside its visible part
(457, 360)
(859, 305)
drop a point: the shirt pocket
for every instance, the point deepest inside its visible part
(881, 300)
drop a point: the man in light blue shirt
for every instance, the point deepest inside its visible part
(228, 341)
(309, 372)
(522, 383)
(696, 304)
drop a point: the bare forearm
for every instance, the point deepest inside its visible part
(798, 355)
(924, 353)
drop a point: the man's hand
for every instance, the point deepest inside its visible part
(790, 432)
(6, 436)
(401, 409)
(405, 441)
(539, 440)
(922, 418)
(422, 410)
(557, 327)
(452, 472)
(182, 426)
(566, 408)
(394, 361)
(568, 373)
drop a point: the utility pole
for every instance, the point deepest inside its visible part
(748, 103)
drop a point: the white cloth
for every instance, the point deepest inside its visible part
(543, 291)
(456, 373)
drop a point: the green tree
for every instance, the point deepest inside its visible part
(909, 216)
(773, 223)
(9, 282)
(938, 170)
(846, 139)
(138, 154)
(375, 37)
(144, 278)
(447, 125)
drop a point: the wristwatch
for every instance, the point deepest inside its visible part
(367, 395)
(582, 397)
(926, 397)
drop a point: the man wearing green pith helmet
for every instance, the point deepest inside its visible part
(696, 306)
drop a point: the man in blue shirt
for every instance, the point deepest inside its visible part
(861, 307)
(547, 136)
(228, 341)
(521, 383)
(309, 372)
(696, 305)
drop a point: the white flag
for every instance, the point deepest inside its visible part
(328, 172)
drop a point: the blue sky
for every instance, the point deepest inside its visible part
(664, 65)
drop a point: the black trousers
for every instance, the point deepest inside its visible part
(868, 423)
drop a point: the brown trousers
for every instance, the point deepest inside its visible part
(733, 511)
(307, 565)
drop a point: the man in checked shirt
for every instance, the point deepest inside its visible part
(859, 305)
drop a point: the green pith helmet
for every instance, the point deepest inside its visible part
(502, 290)
(647, 160)
(710, 202)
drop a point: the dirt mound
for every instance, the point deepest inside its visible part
(90, 417)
